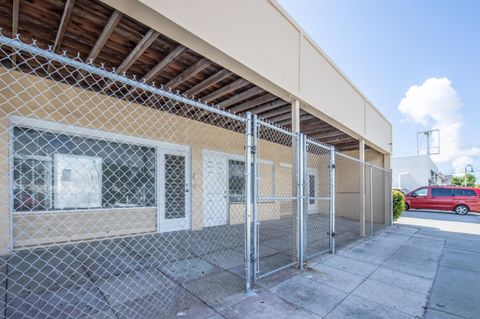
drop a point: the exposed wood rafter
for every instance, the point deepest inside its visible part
(197, 67)
(106, 33)
(217, 77)
(141, 46)
(242, 96)
(303, 117)
(235, 85)
(269, 106)
(15, 14)
(252, 103)
(279, 111)
(164, 63)
(67, 13)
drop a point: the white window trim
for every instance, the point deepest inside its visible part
(60, 128)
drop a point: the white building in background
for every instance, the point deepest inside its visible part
(411, 172)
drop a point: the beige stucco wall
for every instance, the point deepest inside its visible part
(297, 67)
(37, 98)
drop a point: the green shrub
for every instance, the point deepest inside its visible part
(398, 204)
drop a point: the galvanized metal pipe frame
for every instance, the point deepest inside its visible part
(300, 173)
(256, 224)
(332, 200)
(248, 201)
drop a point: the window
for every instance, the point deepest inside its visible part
(421, 192)
(61, 171)
(464, 192)
(311, 188)
(236, 181)
(442, 192)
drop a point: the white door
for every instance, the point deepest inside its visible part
(215, 189)
(312, 191)
(174, 190)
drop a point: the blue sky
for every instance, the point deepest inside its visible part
(386, 47)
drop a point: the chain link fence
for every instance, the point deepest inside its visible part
(123, 200)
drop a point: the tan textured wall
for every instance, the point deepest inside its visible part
(37, 98)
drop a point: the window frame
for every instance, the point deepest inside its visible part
(423, 188)
(60, 128)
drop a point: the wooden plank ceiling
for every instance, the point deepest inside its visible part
(99, 33)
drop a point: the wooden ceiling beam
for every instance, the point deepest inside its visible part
(67, 13)
(348, 147)
(330, 134)
(336, 139)
(314, 123)
(137, 52)
(197, 67)
(286, 116)
(242, 96)
(253, 103)
(235, 85)
(15, 15)
(269, 106)
(315, 127)
(277, 112)
(164, 63)
(318, 130)
(303, 117)
(106, 33)
(217, 77)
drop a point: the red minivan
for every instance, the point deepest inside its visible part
(461, 200)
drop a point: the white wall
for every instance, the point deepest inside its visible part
(411, 172)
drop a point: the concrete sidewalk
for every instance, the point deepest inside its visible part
(387, 276)
(425, 266)
(456, 291)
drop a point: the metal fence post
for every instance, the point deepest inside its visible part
(248, 201)
(390, 185)
(371, 200)
(332, 200)
(256, 225)
(300, 200)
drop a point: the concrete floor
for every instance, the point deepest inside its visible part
(189, 273)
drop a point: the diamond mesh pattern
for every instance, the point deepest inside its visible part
(122, 200)
(116, 195)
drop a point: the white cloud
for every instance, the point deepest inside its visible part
(436, 104)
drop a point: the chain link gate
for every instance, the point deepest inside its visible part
(275, 236)
(318, 177)
(120, 199)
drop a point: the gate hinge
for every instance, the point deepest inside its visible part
(332, 166)
(333, 234)
(254, 149)
(252, 258)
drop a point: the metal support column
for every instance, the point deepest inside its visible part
(256, 224)
(332, 200)
(248, 201)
